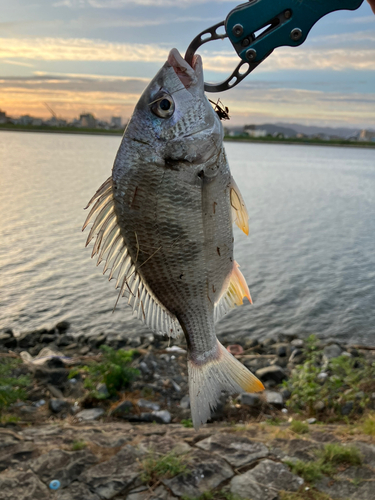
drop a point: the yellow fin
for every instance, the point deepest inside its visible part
(233, 296)
(239, 212)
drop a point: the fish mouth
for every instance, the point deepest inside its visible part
(188, 75)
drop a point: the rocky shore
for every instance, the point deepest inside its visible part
(71, 423)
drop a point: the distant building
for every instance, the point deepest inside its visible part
(116, 122)
(253, 131)
(366, 135)
(3, 117)
(56, 122)
(25, 120)
(87, 120)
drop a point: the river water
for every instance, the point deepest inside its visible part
(309, 259)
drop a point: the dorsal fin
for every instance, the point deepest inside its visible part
(233, 296)
(110, 247)
(239, 212)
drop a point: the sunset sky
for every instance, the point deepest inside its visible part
(98, 55)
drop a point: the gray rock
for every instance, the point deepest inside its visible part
(299, 449)
(22, 486)
(331, 351)
(47, 338)
(65, 466)
(205, 472)
(76, 491)
(58, 405)
(144, 493)
(185, 402)
(150, 405)
(55, 376)
(297, 343)
(297, 356)
(274, 398)
(275, 373)
(319, 406)
(264, 481)
(64, 340)
(162, 416)
(63, 326)
(351, 489)
(347, 408)
(14, 454)
(90, 414)
(112, 477)
(237, 450)
(102, 390)
(311, 421)
(250, 399)
(123, 409)
(163, 445)
(322, 376)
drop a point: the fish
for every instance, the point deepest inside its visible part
(163, 223)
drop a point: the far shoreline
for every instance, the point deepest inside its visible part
(113, 133)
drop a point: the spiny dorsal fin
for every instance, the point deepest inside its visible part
(110, 247)
(233, 296)
(239, 212)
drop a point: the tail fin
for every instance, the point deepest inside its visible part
(219, 372)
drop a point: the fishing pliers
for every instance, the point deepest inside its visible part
(257, 27)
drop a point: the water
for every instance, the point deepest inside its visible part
(309, 259)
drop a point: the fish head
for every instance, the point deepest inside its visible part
(174, 115)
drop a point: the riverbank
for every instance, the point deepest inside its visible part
(108, 417)
(259, 140)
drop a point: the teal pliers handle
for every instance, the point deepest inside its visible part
(257, 27)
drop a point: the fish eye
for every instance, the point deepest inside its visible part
(163, 106)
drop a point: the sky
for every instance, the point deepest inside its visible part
(98, 56)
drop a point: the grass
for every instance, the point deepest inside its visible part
(299, 427)
(303, 494)
(188, 423)
(12, 383)
(328, 459)
(156, 467)
(9, 419)
(214, 495)
(114, 371)
(78, 445)
(350, 380)
(368, 425)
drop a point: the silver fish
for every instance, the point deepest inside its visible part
(163, 224)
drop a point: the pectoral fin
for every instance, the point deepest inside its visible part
(233, 296)
(239, 212)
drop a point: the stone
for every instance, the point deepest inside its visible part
(285, 394)
(15, 454)
(58, 405)
(274, 398)
(265, 481)
(29, 339)
(150, 405)
(163, 445)
(54, 376)
(65, 466)
(185, 402)
(311, 420)
(275, 373)
(22, 486)
(64, 340)
(63, 326)
(297, 343)
(249, 343)
(348, 488)
(297, 356)
(319, 406)
(250, 399)
(47, 338)
(347, 408)
(76, 491)
(117, 474)
(331, 351)
(123, 409)
(322, 376)
(162, 416)
(205, 472)
(144, 493)
(237, 450)
(90, 414)
(102, 390)
(299, 449)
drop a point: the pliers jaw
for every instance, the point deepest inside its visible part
(257, 27)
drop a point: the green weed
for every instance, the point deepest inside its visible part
(9, 419)
(328, 458)
(113, 370)
(187, 423)
(368, 425)
(78, 445)
(12, 384)
(299, 427)
(349, 380)
(156, 467)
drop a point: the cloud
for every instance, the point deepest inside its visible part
(83, 49)
(17, 63)
(119, 4)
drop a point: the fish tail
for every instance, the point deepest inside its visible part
(219, 371)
